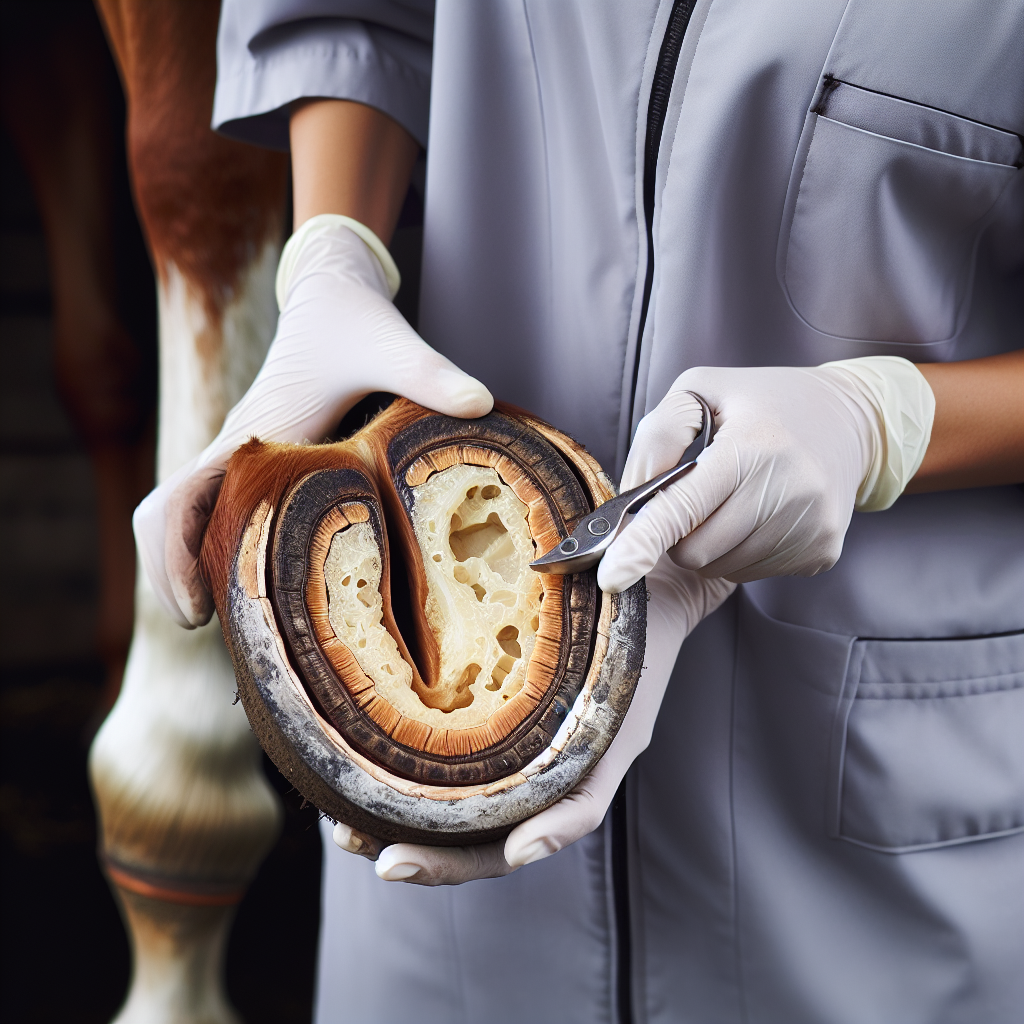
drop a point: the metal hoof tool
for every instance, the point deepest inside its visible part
(586, 546)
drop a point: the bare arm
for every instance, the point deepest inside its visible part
(978, 434)
(351, 159)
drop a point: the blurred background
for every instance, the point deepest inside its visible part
(64, 629)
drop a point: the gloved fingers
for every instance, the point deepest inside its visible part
(292, 400)
(574, 816)
(773, 548)
(149, 523)
(434, 382)
(436, 865)
(661, 438)
(318, 368)
(669, 516)
(353, 841)
(744, 540)
(636, 551)
(188, 510)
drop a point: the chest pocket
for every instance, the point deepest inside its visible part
(889, 208)
(893, 187)
(928, 750)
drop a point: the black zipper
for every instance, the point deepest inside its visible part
(620, 902)
(657, 108)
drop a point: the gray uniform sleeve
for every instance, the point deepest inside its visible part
(271, 52)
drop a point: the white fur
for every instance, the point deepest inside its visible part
(175, 770)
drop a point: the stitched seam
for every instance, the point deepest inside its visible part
(914, 103)
(917, 145)
(983, 684)
(460, 980)
(549, 240)
(937, 844)
(937, 696)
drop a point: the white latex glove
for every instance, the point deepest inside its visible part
(678, 600)
(797, 449)
(339, 338)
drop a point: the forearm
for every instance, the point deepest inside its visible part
(351, 159)
(978, 434)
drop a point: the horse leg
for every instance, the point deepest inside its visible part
(186, 813)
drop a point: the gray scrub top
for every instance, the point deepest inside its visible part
(827, 825)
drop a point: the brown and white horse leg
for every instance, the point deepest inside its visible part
(186, 813)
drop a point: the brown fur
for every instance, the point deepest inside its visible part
(258, 471)
(208, 204)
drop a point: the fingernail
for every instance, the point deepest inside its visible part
(470, 394)
(345, 838)
(537, 850)
(609, 579)
(398, 872)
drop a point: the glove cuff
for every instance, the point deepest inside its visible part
(905, 406)
(322, 224)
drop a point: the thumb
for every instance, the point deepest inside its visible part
(444, 865)
(169, 525)
(572, 818)
(669, 516)
(189, 507)
(414, 370)
(149, 524)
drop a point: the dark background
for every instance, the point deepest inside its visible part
(63, 952)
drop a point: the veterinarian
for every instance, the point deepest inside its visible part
(810, 212)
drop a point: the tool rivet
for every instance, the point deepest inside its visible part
(569, 545)
(598, 527)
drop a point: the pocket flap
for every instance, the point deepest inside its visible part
(919, 125)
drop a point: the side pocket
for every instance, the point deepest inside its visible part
(929, 744)
(886, 203)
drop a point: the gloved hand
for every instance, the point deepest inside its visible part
(797, 449)
(339, 338)
(678, 601)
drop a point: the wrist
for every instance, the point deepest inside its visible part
(325, 224)
(903, 406)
